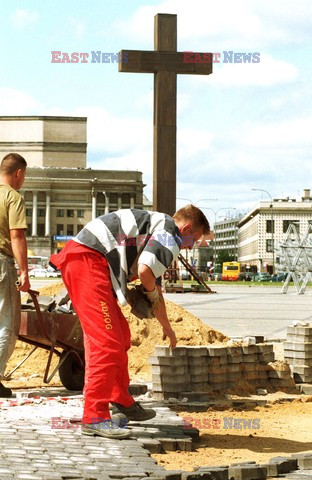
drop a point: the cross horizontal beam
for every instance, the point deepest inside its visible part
(139, 61)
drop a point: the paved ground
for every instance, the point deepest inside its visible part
(37, 441)
(248, 310)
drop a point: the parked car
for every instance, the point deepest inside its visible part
(245, 277)
(51, 273)
(44, 272)
(38, 272)
(279, 277)
(263, 277)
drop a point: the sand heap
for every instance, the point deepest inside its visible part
(145, 334)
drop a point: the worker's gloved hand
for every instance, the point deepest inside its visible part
(153, 297)
(141, 307)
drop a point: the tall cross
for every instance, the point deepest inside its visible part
(165, 63)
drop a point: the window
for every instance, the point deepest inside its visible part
(28, 212)
(70, 229)
(79, 228)
(29, 230)
(60, 213)
(269, 245)
(40, 230)
(270, 226)
(80, 213)
(100, 212)
(286, 224)
(59, 229)
(70, 213)
(41, 212)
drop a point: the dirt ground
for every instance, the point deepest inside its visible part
(284, 429)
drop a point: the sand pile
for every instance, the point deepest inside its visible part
(145, 334)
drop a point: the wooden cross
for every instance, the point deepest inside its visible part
(165, 62)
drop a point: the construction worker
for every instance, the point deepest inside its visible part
(96, 265)
(12, 244)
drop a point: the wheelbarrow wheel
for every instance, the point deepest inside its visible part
(71, 372)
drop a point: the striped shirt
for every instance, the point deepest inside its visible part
(129, 237)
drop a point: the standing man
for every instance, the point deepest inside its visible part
(12, 244)
(96, 265)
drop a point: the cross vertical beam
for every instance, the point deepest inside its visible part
(165, 63)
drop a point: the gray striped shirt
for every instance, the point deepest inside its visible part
(129, 237)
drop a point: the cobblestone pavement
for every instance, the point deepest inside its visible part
(37, 441)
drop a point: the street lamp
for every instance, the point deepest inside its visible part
(272, 225)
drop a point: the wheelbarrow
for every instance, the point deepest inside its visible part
(60, 334)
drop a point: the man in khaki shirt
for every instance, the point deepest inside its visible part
(12, 244)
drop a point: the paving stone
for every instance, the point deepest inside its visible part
(197, 351)
(235, 359)
(306, 331)
(167, 378)
(196, 476)
(171, 369)
(305, 463)
(217, 351)
(162, 350)
(198, 361)
(247, 472)
(137, 389)
(250, 349)
(217, 473)
(157, 360)
(306, 388)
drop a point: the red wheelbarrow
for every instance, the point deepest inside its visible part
(60, 334)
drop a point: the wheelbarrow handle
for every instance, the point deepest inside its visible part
(34, 294)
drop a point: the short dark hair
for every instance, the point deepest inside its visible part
(195, 215)
(12, 162)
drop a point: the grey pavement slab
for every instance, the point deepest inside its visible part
(248, 310)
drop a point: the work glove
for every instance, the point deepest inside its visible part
(141, 307)
(153, 297)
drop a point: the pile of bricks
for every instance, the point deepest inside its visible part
(298, 352)
(194, 371)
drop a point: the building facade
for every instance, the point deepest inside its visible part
(61, 193)
(264, 226)
(225, 236)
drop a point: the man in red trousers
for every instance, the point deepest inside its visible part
(96, 266)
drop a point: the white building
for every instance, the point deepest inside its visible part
(265, 225)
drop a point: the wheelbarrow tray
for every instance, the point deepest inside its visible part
(52, 329)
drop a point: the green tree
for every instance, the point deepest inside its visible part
(225, 256)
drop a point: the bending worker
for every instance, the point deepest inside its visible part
(12, 244)
(96, 265)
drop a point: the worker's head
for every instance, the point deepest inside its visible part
(13, 169)
(192, 224)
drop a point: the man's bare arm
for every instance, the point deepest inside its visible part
(19, 247)
(149, 282)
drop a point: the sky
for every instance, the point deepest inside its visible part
(247, 126)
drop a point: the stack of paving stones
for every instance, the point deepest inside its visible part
(192, 372)
(298, 353)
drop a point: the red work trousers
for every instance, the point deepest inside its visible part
(85, 273)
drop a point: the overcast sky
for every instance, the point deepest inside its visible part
(248, 125)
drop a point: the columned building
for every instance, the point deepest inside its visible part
(60, 192)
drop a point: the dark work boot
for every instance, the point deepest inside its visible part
(134, 412)
(5, 392)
